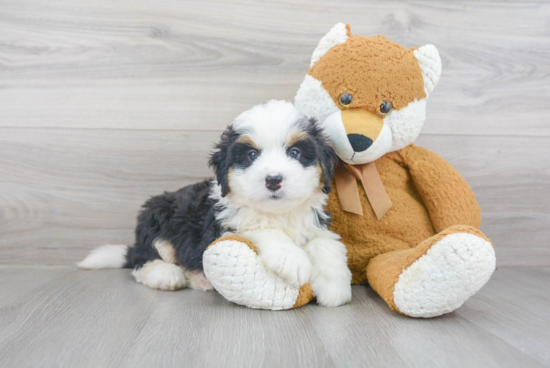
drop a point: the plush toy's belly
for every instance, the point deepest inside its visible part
(405, 225)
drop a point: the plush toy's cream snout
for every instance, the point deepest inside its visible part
(358, 135)
(362, 127)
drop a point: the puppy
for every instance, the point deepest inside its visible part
(273, 170)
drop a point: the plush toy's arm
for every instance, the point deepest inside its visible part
(235, 269)
(448, 198)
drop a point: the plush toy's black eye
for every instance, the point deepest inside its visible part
(346, 99)
(385, 108)
(253, 154)
(294, 153)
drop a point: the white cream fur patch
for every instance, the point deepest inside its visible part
(314, 101)
(406, 124)
(105, 256)
(160, 275)
(430, 65)
(330, 275)
(281, 255)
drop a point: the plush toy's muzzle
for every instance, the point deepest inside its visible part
(358, 136)
(363, 128)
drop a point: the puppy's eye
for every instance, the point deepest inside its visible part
(385, 108)
(252, 155)
(346, 99)
(294, 153)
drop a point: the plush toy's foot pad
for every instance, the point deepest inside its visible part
(441, 280)
(238, 274)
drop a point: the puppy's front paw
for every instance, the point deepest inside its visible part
(289, 263)
(332, 293)
(160, 275)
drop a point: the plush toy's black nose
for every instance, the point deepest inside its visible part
(359, 142)
(273, 182)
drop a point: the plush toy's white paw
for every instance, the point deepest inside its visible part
(290, 263)
(450, 272)
(332, 293)
(240, 276)
(160, 275)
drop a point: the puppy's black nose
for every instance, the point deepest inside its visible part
(273, 182)
(359, 142)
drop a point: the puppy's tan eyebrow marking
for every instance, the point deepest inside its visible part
(295, 137)
(247, 139)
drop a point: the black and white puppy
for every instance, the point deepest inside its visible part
(273, 169)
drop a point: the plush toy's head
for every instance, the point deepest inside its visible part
(368, 93)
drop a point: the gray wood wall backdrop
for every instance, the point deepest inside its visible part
(104, 103)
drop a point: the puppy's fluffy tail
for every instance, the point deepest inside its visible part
(107, 256)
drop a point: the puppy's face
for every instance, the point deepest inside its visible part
(273, 159)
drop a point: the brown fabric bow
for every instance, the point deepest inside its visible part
(348, 193)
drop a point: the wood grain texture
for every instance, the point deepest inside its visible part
(68, 190)
(21, 280)
(105, 319)
(136, 64)
(530, 330)
(104, 104)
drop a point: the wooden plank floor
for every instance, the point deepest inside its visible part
(63, 317)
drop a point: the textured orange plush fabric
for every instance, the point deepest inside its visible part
(449, 205)
(421, 205)
(363, 62)
(305, 296)
(236, 238)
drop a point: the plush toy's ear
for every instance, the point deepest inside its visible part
(337, 35)
(430, 64)
(219, 160)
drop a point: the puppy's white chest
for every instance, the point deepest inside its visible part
(290, 224)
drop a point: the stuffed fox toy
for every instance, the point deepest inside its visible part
(409, 220)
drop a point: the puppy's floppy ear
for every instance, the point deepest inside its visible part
(327, 157)
(219, 160)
